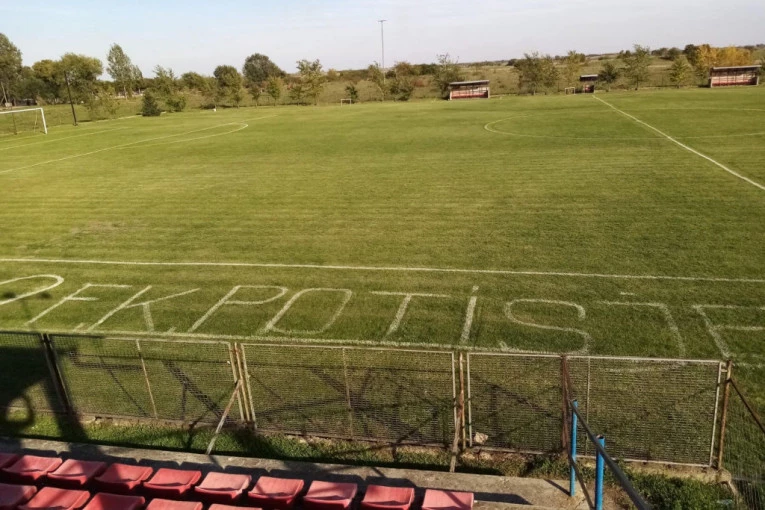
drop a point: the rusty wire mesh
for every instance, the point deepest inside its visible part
(652, 410)
(26, 379)
(379, 394)
(171, 380)
(744, 451)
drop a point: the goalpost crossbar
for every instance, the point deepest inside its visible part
(42, 115)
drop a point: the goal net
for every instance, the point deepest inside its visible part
(22, 121)
(569, 90)
(346, 101)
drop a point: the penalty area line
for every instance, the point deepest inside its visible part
(686, 147)
(446, 270)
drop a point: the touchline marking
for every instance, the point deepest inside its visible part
(689, 149)
(507, 272)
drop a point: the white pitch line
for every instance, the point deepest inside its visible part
(506, 272)
(62, 138)
(689, 149)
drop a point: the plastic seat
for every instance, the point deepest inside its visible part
(276, 493)
(30, 468)
(53, 498)
(75, 474)
(171, 483)
(222, 487)
(13, 495)
(105, 501)
(6, 459)
(447, 500)
(166, 504)
(329, 496)
(122, 478)
(379, 497)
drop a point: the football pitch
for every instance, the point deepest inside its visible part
(619, 224)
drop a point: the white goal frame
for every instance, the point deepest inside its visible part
(346, 101)
(42, 115)
(570, 90)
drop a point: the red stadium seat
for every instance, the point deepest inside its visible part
(53, 498)
(6, 459)
(75, 474)
(30, 468)
(166, 504)
(123, 478)
(104, 501)
(13, 495)
(171, 483)
(329, 496)
(276, 493)
(222, 487)
(447, 500)
(379, 497)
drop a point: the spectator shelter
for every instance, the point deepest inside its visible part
(588, 83)
(469, 89)
(736, 75)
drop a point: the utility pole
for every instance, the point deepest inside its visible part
(382, 39)
(71, 103)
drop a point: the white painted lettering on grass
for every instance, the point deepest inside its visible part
(271, 325)
(333, 267)
(469, 315)
(226, 300)
(715, 330)
(145, 305)
(58, 281)
(664, 309)
(75, 296)
(401, 312)
(680, 144)
(581, 315)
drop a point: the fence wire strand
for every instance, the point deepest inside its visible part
(744, 452)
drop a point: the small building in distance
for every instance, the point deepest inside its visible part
(735, 75)
(588, 83)
(469, 90)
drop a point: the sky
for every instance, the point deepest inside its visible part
(197, 35)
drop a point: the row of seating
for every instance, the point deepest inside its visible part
(123, 486)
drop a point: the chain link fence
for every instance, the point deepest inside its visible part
(744, 450)
(649, 409)
(395, 395)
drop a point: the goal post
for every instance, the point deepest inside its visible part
(346, 101)
(569, 90)
(23, 120)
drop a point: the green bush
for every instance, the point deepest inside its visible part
(150, 106)
(680, 494)
(176, 102)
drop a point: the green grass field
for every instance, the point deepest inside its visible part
(533, 223)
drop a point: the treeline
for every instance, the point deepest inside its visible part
(76, 78)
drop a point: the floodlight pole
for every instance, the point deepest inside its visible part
(71, 103)
(382, 39)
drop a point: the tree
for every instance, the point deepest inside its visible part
(46, 71)
(165, 87)
(10, 67)
(274, 86)
(609, 74)
(255, 91)
(353, 92)
(297, 92)
(402, 84)
(573, 66)
(679, 72)
(150, 107)
(121, 69)
(229, 82)
(258, 68)
(312, 77)
(82, 72)
(636, 64)
(375, 75)
(446, 72)
(691, 52)
(536, 72)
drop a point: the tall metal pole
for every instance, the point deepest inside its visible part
(382, 39)
(71, 103)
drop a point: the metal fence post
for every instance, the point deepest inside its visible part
(57, 379)
(599, 469)
(724, 419)
(348, 401)
(572, 474)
